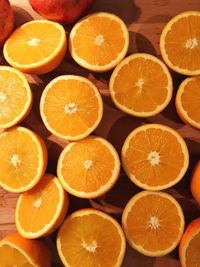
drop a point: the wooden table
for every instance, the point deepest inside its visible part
(145, 20)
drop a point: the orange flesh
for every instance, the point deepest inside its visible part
(10, 256)
(13, 96)
(170, 152)
(142, 234)
(90, 230)
(184, 29)
(64, 92)
(92, 179)
(18, 43)
(190, 99)
(46, 195)
(89, 30)
(192, 253)
(18, 143)
(154, 89)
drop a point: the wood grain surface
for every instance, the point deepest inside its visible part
(145, 20)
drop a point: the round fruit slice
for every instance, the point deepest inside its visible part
(141, 85)
(41, 210)
(88, 168)
(99, 41)
(71, 107)
(153, 223)
(195, 183)
(23, 159)
(36, 47)
(18, 251)
(188, 101)
(91, 238)
(179, 43)
(155, 157)
(15, 97)
(189, 247)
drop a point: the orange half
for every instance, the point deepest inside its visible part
(155, 157)
(153, 223)
(99, 41)
(91, 238)
(188, 101)
(141, 85)
(180, 45)
(71, 107)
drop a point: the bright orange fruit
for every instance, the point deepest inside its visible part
(91, 238)
(195, 183)
(179, 43)
(41, 210)
(88, 168)
(153, 223)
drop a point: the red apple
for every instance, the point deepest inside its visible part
(6, 20)
(67, 11)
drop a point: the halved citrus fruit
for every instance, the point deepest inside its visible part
(23, 159)
(190, 243)
(41, 210)
(188, 101)
(88, 168)
(15, 97)
(180, 45)
(18, 251)
(153, 223)
(195, 183)
(99, 41)
(141, 85)
(155, 157)
(90, 237)
(36, 47)
(71, 107)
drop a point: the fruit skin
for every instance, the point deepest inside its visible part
(67, 11)
(6, 20)
(39, 251)
(195, 183)
(192, 229)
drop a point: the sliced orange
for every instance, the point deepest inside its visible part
(195, 183)
(71, 107)
(88, 168)
(180, 45)
(23, 159)
(36, 47)
(153, 223)
(91, 238)
(99, 41)
(189, 247)
(188, 101)
(18, 251)
(15, 97)
(41, 210)
(155, 157)
(141, 85)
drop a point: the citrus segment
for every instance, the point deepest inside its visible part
(88, 168)
(99, 41)
(180, 45)
(91, 238)
(18, 251)
(188, 101)
(71, 107)
(141, 85)
(15, 97)
(155, 157)
(153, 223)
(42, 209)
(23, 159)
(189, 246)
(36, 47)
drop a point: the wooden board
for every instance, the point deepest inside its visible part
(145, 19)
